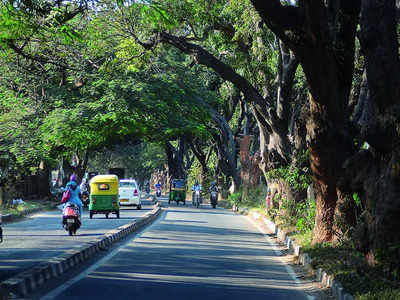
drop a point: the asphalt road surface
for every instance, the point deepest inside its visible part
(187, 253)
(41, 236)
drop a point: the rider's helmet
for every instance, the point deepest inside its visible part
(72, 178)
(196, 183)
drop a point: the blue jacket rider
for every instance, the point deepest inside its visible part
(75, 191)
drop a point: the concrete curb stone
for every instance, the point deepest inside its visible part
(28, 281)
(321, 276)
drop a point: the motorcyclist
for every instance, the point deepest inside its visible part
(158, 189)
(158, 185)
(147, 187)
(75, 191)
(83, 186)
(84, 192)
(196, 187)
(213, 188)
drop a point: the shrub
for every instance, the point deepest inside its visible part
(235, 198)
(305, 211)
(255, 197)
(297, 178)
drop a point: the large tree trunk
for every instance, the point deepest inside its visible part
(176, 163)
(44, 181)
(249, 172)
(380, 46)
(325, 49)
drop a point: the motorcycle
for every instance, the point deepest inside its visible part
(158, 192)
(196, 198)
(214, 198)
(71, 218)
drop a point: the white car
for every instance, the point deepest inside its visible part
(129, 193)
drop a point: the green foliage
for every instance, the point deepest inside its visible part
(357, 199)
(194, 174)
(139, 160)
(297, 178)
(254, 197)
(235, 198)
(305, 212)
(273, 213)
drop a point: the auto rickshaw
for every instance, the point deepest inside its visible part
(104, 198)
(177, 191)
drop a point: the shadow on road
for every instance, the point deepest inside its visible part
(192, 210)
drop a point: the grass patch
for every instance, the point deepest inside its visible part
(303, 238)
(21, 208)
(350, 269)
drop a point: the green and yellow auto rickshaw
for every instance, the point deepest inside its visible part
(104, 195)
(177, 191)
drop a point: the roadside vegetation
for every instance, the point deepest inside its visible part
(340, 258)
(21, 209)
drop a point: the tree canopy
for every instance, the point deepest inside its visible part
(308, 80)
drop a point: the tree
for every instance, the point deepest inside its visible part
(375, 172)
(322, 38)
(87, 100)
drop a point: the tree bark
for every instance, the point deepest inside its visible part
(225, 144)
(249, 172)
(176, 164)
(201, 157)
(379, 42)
(326, 53)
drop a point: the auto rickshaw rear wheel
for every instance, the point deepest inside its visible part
(117, 214)
(106, 215)
(90, 214)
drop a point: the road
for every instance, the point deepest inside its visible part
(187, 253)
(41, 236)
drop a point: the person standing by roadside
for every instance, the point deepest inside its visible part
(268, 200)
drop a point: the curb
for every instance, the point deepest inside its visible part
(321, 276)
(28, 281)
